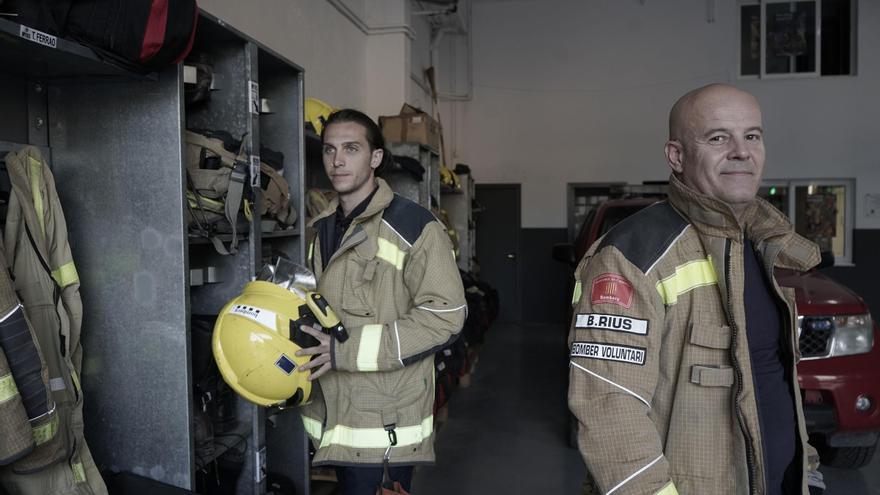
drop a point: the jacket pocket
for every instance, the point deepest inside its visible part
(699, 441)
(380, 408)
(711, 336)
(711, 376)
(369, 399)
(358, 290)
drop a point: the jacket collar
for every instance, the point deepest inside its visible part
(381, 199)
(761, 222)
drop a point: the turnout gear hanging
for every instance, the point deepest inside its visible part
(27, 411)
(215, 187)
(38, 254)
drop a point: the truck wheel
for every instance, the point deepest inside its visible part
(847, 457)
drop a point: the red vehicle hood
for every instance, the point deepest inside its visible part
(817, 294)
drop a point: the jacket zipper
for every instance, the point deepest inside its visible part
(750, 454)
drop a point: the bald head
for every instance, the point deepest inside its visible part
(716, 143)
(694, 104)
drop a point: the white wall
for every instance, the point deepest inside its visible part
(359, 59)
(312, 34)
(579, 91)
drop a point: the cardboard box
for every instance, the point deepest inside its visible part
(411, 125)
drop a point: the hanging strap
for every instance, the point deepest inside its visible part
(235, 192)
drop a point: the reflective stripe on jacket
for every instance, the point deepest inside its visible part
(396, 286)
(660, 374)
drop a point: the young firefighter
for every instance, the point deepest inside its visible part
(385, 265)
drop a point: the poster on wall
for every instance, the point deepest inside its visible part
(787, 34)
(821, 213)
(791, 37)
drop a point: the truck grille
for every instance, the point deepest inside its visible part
(815, 336)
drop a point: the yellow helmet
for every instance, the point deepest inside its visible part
(446, 176)
(316, 112)
(254, 348)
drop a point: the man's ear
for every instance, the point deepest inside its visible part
(376, 158)
(675, 155)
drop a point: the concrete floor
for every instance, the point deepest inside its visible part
(864, 481)
(508, 432)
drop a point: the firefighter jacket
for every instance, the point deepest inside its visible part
(28, 419)
(660, 372)
(39, 257)
(396, 287)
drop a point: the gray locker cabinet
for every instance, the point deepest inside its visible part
(281, 129)
(403, 183)
(116, 144)
(458, 206)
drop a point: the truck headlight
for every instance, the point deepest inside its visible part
(853, 335)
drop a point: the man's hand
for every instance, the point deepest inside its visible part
(322, 352)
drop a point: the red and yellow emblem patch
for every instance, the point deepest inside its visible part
(610, 288)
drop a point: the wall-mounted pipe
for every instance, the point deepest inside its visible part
(436, 37)
(365, 28)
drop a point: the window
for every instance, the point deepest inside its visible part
(784, 38)
(821, 210)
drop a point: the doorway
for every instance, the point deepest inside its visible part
(498, 244)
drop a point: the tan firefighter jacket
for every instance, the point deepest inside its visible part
(395, 285)
(39, 257)
(660, 373)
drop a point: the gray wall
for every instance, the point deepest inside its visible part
(579, 91)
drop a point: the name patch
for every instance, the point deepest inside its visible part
(610, 288)
(38, 37)
(262, 316)
(609, 352)
(614, 323)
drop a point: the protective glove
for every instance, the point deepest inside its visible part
(816, 482)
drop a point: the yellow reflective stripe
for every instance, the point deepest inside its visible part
(576, 296)
(377, 438)
(312, 426)
(248, 210)
(46, 432)
(687, 277)
(65, 275)
(368, 351)
(389, 252)
(669, 489)
(35, 176)
(8, 389)
(75, 378)
(311, 251)
(79, 473)
(206, 203)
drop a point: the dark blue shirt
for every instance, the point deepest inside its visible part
(773, 386)
(331, 235)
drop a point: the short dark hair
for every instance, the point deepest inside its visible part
(371, 130)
